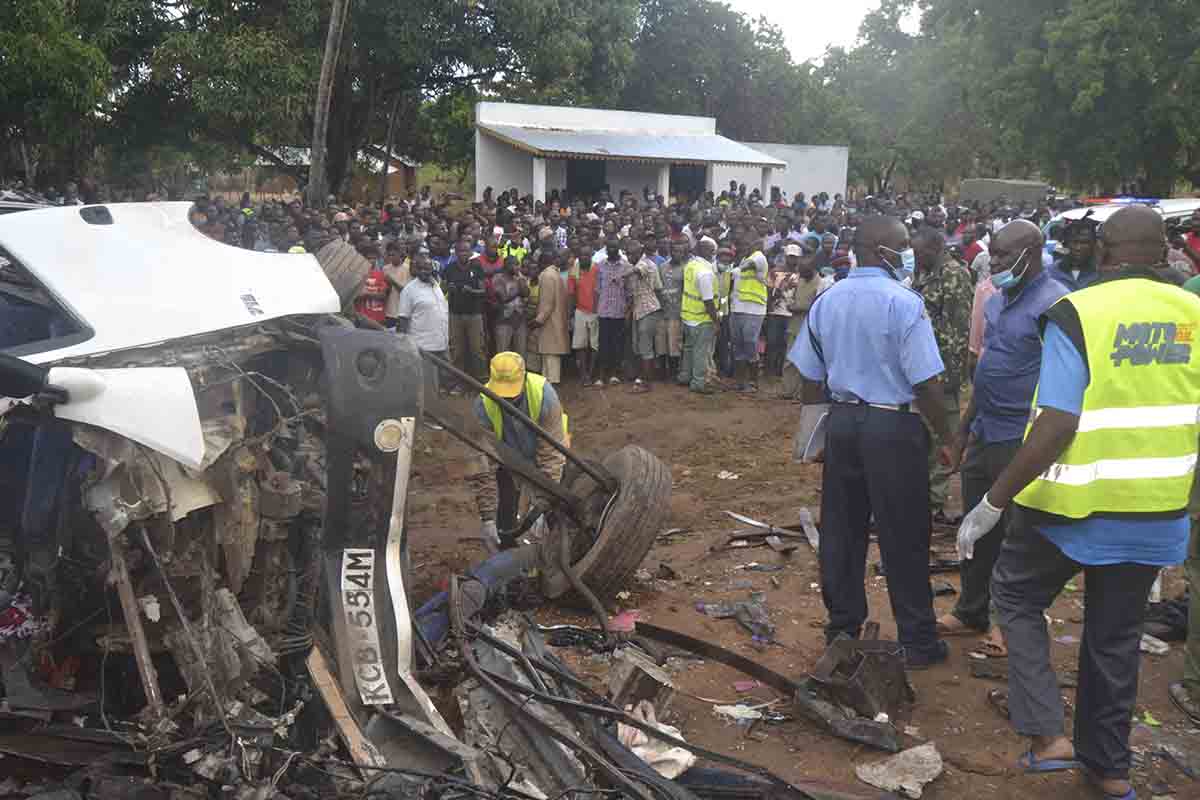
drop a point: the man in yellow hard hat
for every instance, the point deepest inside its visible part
(497, 499)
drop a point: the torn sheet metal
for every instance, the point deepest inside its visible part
(155, 406)
(537, 759)
(131, 488)
(865, 674)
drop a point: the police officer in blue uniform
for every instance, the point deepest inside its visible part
(869, 339)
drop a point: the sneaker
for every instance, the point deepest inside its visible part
(614, 380)
(918, 660)
(598, 382)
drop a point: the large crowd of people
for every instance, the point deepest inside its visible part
(598, 289)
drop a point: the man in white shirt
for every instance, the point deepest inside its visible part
(424, 314)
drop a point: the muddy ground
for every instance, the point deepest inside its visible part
(699, 437)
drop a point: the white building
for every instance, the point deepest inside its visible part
(811, 169)
(580, 150)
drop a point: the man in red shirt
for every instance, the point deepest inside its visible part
(971, 244)
(372, 297)
(581, 288)
(492, 264)
(1192, 237)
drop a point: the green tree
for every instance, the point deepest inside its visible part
(1093, 92)
(51, 80)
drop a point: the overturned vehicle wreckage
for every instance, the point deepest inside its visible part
(204, 471)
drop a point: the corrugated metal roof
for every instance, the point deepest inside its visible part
(621, 146)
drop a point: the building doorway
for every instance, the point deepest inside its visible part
(586, 178)
(688, 179)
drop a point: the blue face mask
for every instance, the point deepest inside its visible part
(1009, 277)
(908, 262)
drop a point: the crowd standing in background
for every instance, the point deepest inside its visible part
(635, 275)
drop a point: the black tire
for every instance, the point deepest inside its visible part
(630, 529)
(345, 268)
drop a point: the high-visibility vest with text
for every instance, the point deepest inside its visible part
(1134, 452)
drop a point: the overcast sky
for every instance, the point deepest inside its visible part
(810, 27)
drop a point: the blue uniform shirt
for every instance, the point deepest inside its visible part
(1100, 540)
(1011, 360)
(874, 341)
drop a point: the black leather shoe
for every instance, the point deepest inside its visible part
(918, 660)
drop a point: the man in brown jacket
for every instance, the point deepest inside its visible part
(553, 341)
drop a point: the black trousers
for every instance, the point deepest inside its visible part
(1030, 573)
(875, 462)
(777, 328)
(508, 497)
(612, 344)
(982, 465)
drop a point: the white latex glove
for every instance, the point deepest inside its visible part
(490, 536)
(975, 526)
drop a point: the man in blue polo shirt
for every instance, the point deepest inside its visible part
(992, 427)
(869, 339)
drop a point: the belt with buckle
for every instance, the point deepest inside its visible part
(903, 407)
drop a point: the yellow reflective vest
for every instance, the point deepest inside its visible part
(749, 288)
(535, 390)
(691, 307)
(1135, 450)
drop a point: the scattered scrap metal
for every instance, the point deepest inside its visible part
(241, 627)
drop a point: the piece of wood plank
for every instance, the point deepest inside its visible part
(362, 751)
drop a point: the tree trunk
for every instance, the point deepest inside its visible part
(29, 160)
(886, 184)
(333, 45)
(1161, 168)
(387, 150)
(346, 119)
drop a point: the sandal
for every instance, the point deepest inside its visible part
(1031, 763)
(988, 649)
(961, 629)
(1094, 779)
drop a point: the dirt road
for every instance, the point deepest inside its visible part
(699, 437)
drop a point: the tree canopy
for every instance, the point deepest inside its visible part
(1089, 93)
